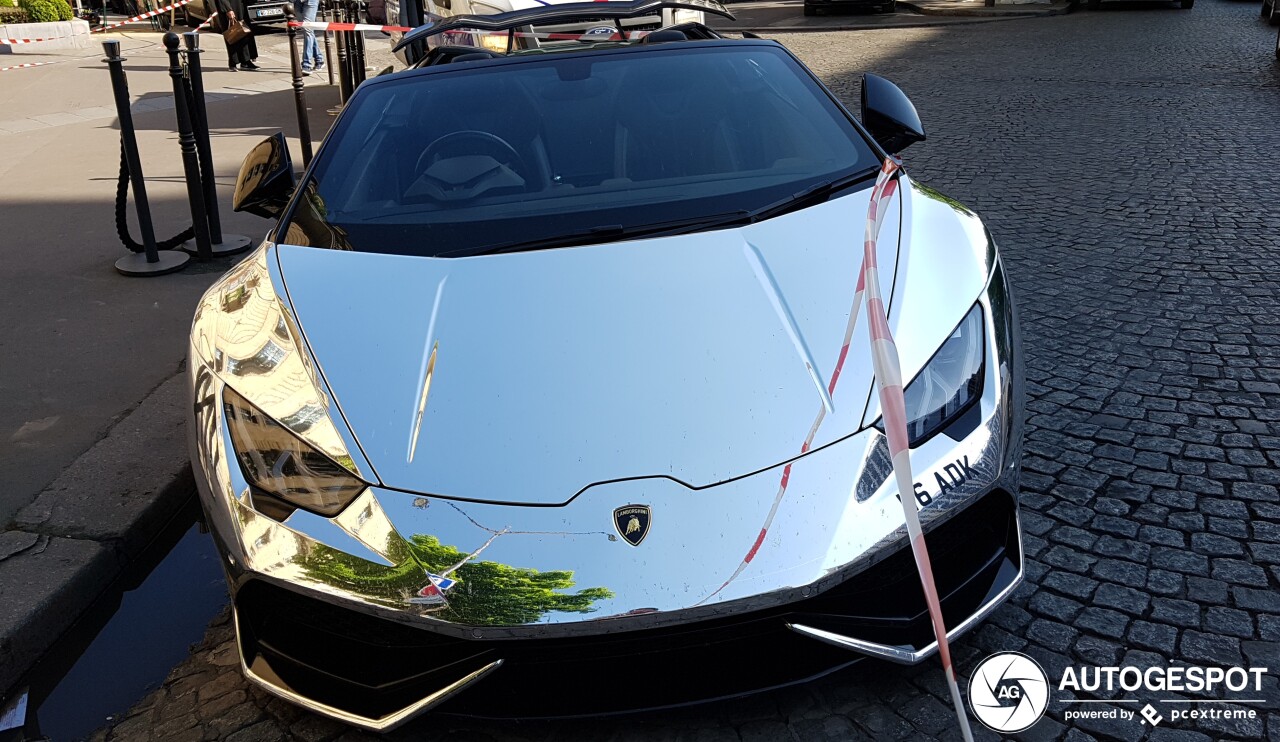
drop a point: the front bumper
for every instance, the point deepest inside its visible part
(327, 615)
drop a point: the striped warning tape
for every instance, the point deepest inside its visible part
(206, 23)
(327, 26)
(12, 42)
(888, 371)
(142, 16)
(28, 64)
(324, 26)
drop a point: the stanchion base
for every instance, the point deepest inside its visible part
(137, 265)
(231, 244)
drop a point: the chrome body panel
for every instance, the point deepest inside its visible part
(701, 357)
(679, 373)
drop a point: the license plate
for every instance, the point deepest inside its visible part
(266, 12)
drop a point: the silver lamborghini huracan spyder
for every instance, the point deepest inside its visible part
(541, 398)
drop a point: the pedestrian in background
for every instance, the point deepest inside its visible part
(242, 48)
(311, 56)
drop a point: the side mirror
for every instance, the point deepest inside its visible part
(265, 183)
(888, 114)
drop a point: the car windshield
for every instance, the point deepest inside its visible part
(495, 157)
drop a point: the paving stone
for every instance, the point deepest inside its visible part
(1153, 636)
(1125, 599)
(1256, 600)
(1197, 646)
(1051, 634)
(1160, 582)
(1180, 613)
(1239, 572)
(1214, 545)
(1070, 584)
(1103, 621)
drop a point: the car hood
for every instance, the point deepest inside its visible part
(528, 377)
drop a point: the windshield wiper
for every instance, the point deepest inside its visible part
(816, 193)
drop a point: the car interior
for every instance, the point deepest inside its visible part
(574, 126)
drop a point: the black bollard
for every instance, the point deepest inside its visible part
(219, 244)
(150, 262)
(344, 62)
(328, 48)
(187, 142)
(299, 94)
(357, 38)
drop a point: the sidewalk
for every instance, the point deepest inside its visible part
(92, 448)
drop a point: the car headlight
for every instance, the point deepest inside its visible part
(949, 384)
(280, 464)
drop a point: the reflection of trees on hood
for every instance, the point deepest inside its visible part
(487, 594)
(495, 594)
(380, 584)
(937, 195)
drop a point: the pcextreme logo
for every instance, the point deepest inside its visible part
(1009, 692)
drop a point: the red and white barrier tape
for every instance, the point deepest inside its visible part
(758, 266)
(206, 23)
(28, 64)
(615, 36)
(143, 16)
(888, 371)
(327, 26)
(13, 42)
(324, 26)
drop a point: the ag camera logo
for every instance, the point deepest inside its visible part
(1009, 692)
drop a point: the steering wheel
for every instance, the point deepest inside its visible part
(490, 144)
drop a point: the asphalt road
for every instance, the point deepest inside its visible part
(1121, 160)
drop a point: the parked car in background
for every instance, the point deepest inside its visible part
(259, 13)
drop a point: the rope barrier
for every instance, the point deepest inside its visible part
(122, 223)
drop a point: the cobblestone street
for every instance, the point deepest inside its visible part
(1125, 161)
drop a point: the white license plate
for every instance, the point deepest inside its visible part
(268, 12)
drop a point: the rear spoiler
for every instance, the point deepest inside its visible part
(566, 13)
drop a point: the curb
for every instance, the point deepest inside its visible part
(66, 549)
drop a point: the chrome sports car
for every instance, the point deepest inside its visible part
(540, 397)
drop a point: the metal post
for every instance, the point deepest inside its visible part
(357, 68)
(344, 62)
(151, 262)
(328, 50)
(219, 243)
(299, 94)
(187, 141)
